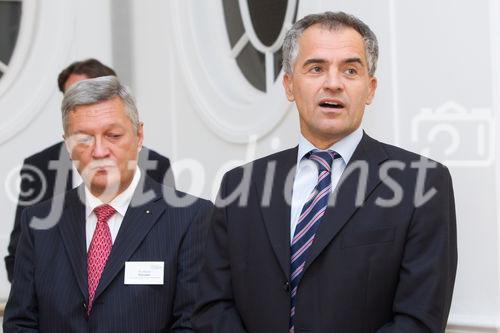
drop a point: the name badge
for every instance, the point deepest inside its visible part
(144, 272)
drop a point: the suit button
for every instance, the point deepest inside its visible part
(85, 314)
(286, 286)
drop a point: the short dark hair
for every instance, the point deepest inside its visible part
(91, 67)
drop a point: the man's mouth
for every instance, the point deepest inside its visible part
(102, 166)
(331, 104)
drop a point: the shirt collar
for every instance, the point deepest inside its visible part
(120, 203)
(344, 147)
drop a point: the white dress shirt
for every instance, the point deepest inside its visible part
(120, 204)
(306, 176)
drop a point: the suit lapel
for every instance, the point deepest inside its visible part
(343, 202)
(276, 215)
(137, 223)
(72, 229)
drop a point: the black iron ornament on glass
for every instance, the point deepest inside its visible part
(10, 21)
(256, 30)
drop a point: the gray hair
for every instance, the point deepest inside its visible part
(97, 90)
(330, 21)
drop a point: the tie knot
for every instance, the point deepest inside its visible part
(323, 158)
(103, 213)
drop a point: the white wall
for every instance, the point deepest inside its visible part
(436, 57)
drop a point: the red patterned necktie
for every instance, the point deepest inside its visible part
(99, 250)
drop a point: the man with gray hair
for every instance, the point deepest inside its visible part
(119, 256)
(342, 233)
(50, 172)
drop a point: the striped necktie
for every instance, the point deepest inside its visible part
(308, 223)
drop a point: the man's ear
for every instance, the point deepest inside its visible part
(140, 135)
(68, 144)
(288, 85)
(371, 89)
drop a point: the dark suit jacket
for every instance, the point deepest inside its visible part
(49, 291)
(370, 269)
(50, 181)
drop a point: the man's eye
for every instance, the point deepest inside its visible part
(315, 69)
(351, 71)
(114, 135)
(82, 138)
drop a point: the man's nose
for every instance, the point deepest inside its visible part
(100, 150)
(333, 81)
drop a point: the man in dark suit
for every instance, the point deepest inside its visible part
(49, 171)
(122, 254)
(342, 233)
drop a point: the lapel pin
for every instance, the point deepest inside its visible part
(147, 211)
